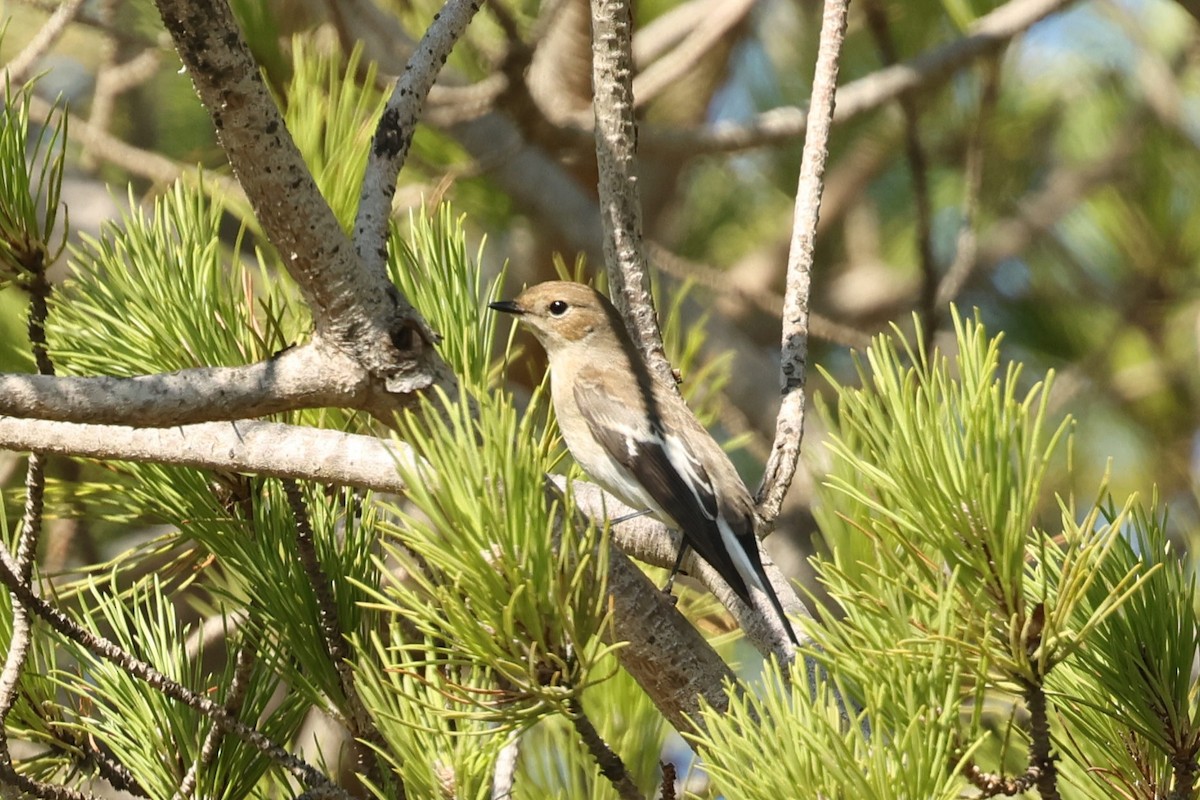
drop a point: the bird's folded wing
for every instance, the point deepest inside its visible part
(664, 465)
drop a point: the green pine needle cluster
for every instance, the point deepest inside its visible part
(965, 593)
(31, 172)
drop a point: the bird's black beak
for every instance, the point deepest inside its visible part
(507, 306)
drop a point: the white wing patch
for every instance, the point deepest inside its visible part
(631, 446)
(741, 559)
(694, 476)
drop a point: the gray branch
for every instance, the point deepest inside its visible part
(620, 203)
(394, 134)
(789, 425)
(355, 308)
(264, 448)
(303, 377)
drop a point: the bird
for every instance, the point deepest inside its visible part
(633, 434)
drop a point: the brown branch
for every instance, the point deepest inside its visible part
(620, 202)
(1041, 758)
(789, 426)
(610, 764)
(707, 31)
(967, 247)
(19, 66)
(333, 634)
(105, 649)
(104, 146)
(765, 300)
(27, 540)
(234, 698)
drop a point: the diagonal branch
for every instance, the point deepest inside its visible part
(105, 649)
(789, 425)
(355, 308)
(394, 134)
(23, 62)
(609, 762)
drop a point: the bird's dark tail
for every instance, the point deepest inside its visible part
(760, 578)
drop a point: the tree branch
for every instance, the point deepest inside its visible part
(105, 649)
(610, 764)
(988, 35)
(265, 448)
(393, 135)
(709, 28)
(918, 168)
(357, 309)
(789, 425)
(310, 376)
(19, 67)
(620, 203)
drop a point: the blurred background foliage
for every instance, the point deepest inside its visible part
(1060, 177)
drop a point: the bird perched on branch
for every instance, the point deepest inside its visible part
(633, 434)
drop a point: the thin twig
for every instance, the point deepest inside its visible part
(394, 133)
(610, 764)
(504, 776)
(669, 777)
(620, 202)
(332, 632)
(789, 426)
(19, 67)
(238, 686)
(967, 249)
(152, 166)
(918, 167)
(708, 30)
(31, 529)
(104, 95)
(1041, 757)
(992, 784)
(765, 300)
(113, 80)
(31, 788)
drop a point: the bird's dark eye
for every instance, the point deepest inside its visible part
(558, 308)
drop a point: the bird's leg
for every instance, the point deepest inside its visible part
(683, 548)
(629, 516)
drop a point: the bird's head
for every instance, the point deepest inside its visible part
(563, 314)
